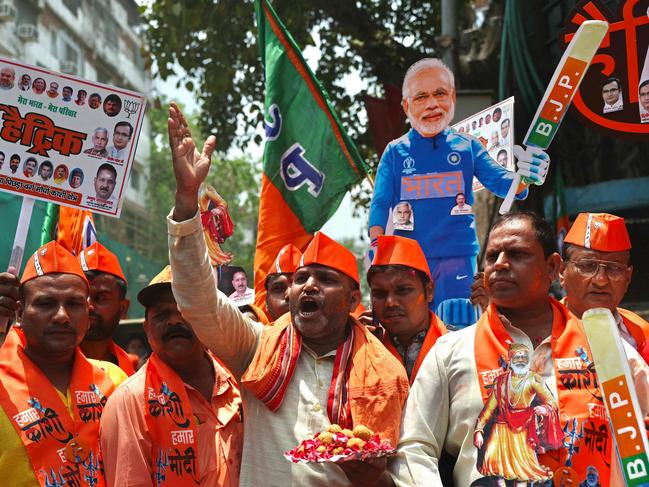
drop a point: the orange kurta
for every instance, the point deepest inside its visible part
(126, 443)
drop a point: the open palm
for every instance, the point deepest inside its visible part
(190, 166)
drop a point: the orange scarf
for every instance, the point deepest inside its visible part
(170, 421)
(581, 410)
(368, 385)
(436, 329)
(124, 360)
(63, 450)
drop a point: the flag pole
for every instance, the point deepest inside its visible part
(22, 229)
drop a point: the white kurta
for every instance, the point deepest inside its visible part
(234, 339)
(445, 401)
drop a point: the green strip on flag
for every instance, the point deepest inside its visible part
(308, 156)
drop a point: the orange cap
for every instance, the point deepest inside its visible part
(287, 260)
(162, 280)
(599, 231)
(99, 258)
(326, 251)
(395, 250)
(52, 258)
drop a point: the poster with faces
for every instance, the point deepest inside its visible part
(66, 140)
(494, 128)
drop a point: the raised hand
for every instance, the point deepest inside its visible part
(190, 166)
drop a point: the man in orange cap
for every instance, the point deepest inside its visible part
(596, 273)
(509, 396)
(401, 289)
(278, 281)
(195, 442)
(315, 366)
(108, 304)
(51, 396)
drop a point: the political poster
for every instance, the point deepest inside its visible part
(66, 140)
(494, 128)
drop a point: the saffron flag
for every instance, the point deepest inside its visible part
(309, 160)
(71, 227)
(559, 209)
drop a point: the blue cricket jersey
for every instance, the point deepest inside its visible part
(428, 173)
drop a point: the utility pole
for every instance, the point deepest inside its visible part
(447, 41)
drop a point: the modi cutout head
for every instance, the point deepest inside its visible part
(596, 271)
(324, 291)
(54, 304)
(521, 261)
(429, 96)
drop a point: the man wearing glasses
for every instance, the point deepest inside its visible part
(427, 167)
(612, 95)
(596, 273)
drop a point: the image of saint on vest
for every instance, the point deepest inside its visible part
(519, 422)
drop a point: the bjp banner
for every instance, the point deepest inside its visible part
(309, 160)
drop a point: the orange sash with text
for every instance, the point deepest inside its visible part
(63, 449)
(587, 437)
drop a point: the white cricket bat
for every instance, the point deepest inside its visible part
(618, 390)
(557, 98)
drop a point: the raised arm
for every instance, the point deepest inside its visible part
(217, 322)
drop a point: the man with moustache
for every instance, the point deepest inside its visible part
(400, 290)
(99, 142)
(94, 101)
(14, 163)
(278, 282)
(432, 150)
(53, 92)
(105, 182)
(596, 273)
(199, 443)
(29, 167)
(453, 385)
(315, 366)
(51, 396)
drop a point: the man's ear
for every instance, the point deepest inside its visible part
(429, 291)
(355, 299)
(124, 304)
(554, 264)
(562, 272)
(404, 105)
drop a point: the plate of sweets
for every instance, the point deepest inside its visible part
(338, 444)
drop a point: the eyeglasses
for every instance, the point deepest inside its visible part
(590, 267)
(423, 98)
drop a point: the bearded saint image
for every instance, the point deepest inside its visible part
(518, 422)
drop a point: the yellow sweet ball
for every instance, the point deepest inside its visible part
(334, 428)
(326, 437)
(348, 433)
(338, 451)
(362, 432)
(355, 442)
(321, 449)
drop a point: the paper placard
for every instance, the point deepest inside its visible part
(66, 140)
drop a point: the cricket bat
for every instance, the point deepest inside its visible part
(557, 98)
(618, 391)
